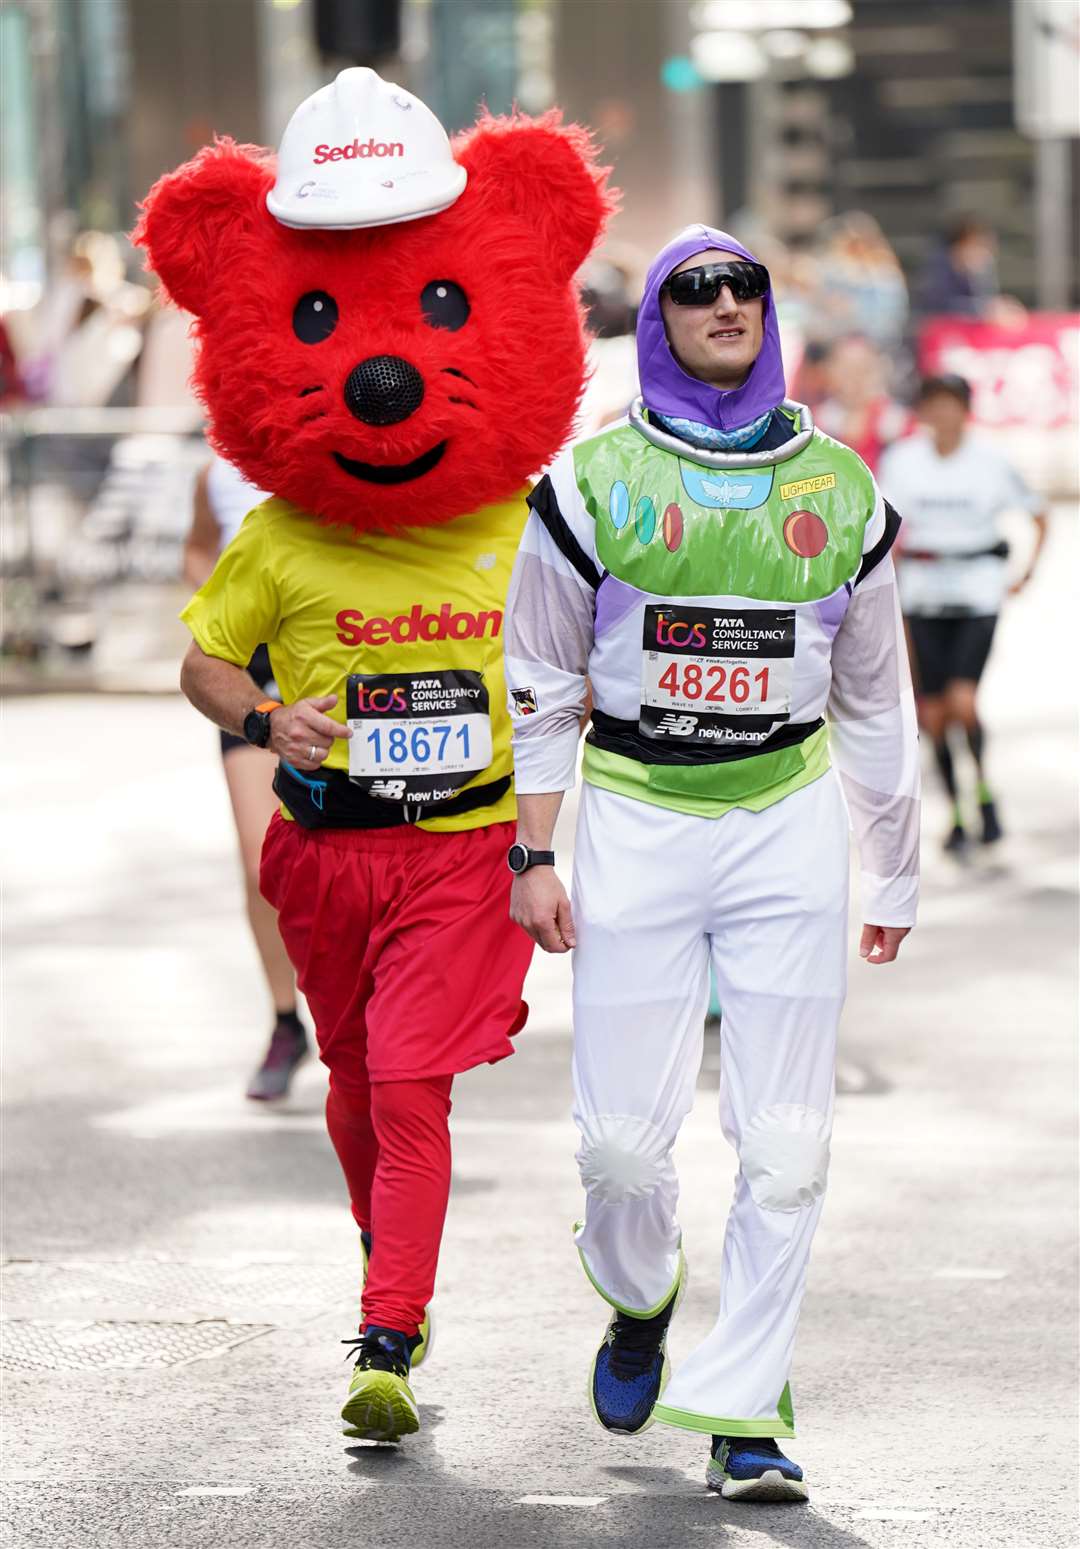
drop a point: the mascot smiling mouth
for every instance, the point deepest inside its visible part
(392, 473)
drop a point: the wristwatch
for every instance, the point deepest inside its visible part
(520, 858)
(257, 723)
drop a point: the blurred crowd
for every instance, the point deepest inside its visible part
(848, 318)
(98, 337)
(99, 507)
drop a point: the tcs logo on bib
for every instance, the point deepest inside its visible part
(380, 700)
(674, 631)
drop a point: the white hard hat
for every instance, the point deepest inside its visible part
(363, 152)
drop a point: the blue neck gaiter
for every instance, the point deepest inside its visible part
(710, 437)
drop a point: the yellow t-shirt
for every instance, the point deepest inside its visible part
(328, 603)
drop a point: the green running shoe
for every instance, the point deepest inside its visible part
(423, 1340)
(380, 1405)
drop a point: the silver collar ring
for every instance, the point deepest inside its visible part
(696, 454)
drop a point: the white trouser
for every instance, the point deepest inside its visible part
(655, 893)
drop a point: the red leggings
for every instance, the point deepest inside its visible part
(393, 1142)
(403, 944)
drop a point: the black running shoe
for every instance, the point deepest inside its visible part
(956, 843)
(992, 830)
(288, 1050)
(631, 1368)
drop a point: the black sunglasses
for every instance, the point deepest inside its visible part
(700, 287)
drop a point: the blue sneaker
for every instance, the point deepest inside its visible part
(752, 1468)
(631, 1368)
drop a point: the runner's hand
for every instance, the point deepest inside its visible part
(539, 904)
(884, 940)
(296, 729)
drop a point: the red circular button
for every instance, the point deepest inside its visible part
(805, 534)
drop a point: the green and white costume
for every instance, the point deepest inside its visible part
(736, 618)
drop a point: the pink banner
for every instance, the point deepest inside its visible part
(1024, 375)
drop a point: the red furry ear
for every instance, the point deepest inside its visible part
(545, 173)
(189, 213)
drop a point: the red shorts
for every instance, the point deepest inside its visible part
(402, 943)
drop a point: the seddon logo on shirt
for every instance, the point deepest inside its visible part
(358, 150)
(355, 629)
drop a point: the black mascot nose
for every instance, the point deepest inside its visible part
(383, 390)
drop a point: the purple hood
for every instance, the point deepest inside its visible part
(670, 390)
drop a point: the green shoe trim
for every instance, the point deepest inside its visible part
(984, 793)
(713, 1425)
(633, 1312)
(424, 1347)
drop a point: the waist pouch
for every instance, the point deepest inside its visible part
(329, 799)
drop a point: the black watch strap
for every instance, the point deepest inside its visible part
(521, 858)
(257, 723)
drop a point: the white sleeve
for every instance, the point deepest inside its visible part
(1016, 493)
(549, 632)
(874, 736)
(890, 470)
(231, 497)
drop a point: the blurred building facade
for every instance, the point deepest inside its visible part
(905, 112)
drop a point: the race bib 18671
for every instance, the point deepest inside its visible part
(417, 737)
(715, 675)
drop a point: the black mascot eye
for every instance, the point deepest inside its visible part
(445, 305)
(314, 317)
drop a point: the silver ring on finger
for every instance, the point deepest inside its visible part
(313, 756)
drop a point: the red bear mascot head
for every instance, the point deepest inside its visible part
(397, 374)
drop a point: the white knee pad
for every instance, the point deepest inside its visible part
(621, 1157)
(785, 1156)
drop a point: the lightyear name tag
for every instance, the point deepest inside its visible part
(417, 737)
(715, 675)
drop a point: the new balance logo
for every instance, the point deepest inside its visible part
(677, 725)
(389, 790)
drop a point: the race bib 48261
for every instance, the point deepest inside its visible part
(417, 737)
(715, 675)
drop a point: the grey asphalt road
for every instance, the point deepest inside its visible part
(180, 1268)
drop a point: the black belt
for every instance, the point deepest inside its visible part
(329, 799)
(999, 551)
(625, 737)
